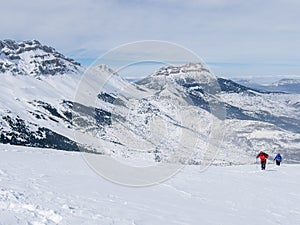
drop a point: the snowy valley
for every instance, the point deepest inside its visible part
(41, 107)
(181, 114)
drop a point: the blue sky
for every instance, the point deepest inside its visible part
(236, 38)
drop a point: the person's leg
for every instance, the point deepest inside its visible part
(264, 165)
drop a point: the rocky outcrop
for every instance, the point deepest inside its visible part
(33, 58)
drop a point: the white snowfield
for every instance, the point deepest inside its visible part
(40, 186)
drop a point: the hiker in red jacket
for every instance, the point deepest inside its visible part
(263, 159)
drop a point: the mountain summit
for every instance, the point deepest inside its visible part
(33, 58)
(188, 74)
(170, 116)
(182, 69)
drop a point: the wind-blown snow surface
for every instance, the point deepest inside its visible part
(39, 186)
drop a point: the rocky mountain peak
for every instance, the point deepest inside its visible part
(181, 69)
(190, 74)
(33, 58)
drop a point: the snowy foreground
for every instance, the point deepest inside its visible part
(40, 186)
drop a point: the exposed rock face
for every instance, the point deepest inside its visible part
(165, 117)
(33, 58)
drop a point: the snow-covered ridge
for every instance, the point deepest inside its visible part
(123, 116)
(33, 58)
(183, 69)
(182, 73)
(191, 74)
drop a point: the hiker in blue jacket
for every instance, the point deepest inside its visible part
(278, 159)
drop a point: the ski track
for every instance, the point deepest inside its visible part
(39, 186)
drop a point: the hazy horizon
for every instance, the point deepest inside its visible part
(235, 38)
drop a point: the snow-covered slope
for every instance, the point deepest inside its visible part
(175, 115)
(255, 120)
(53, 187)
(33, 58)
(34, 109)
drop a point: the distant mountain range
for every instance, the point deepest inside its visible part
(283, 85)
(173, 111)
